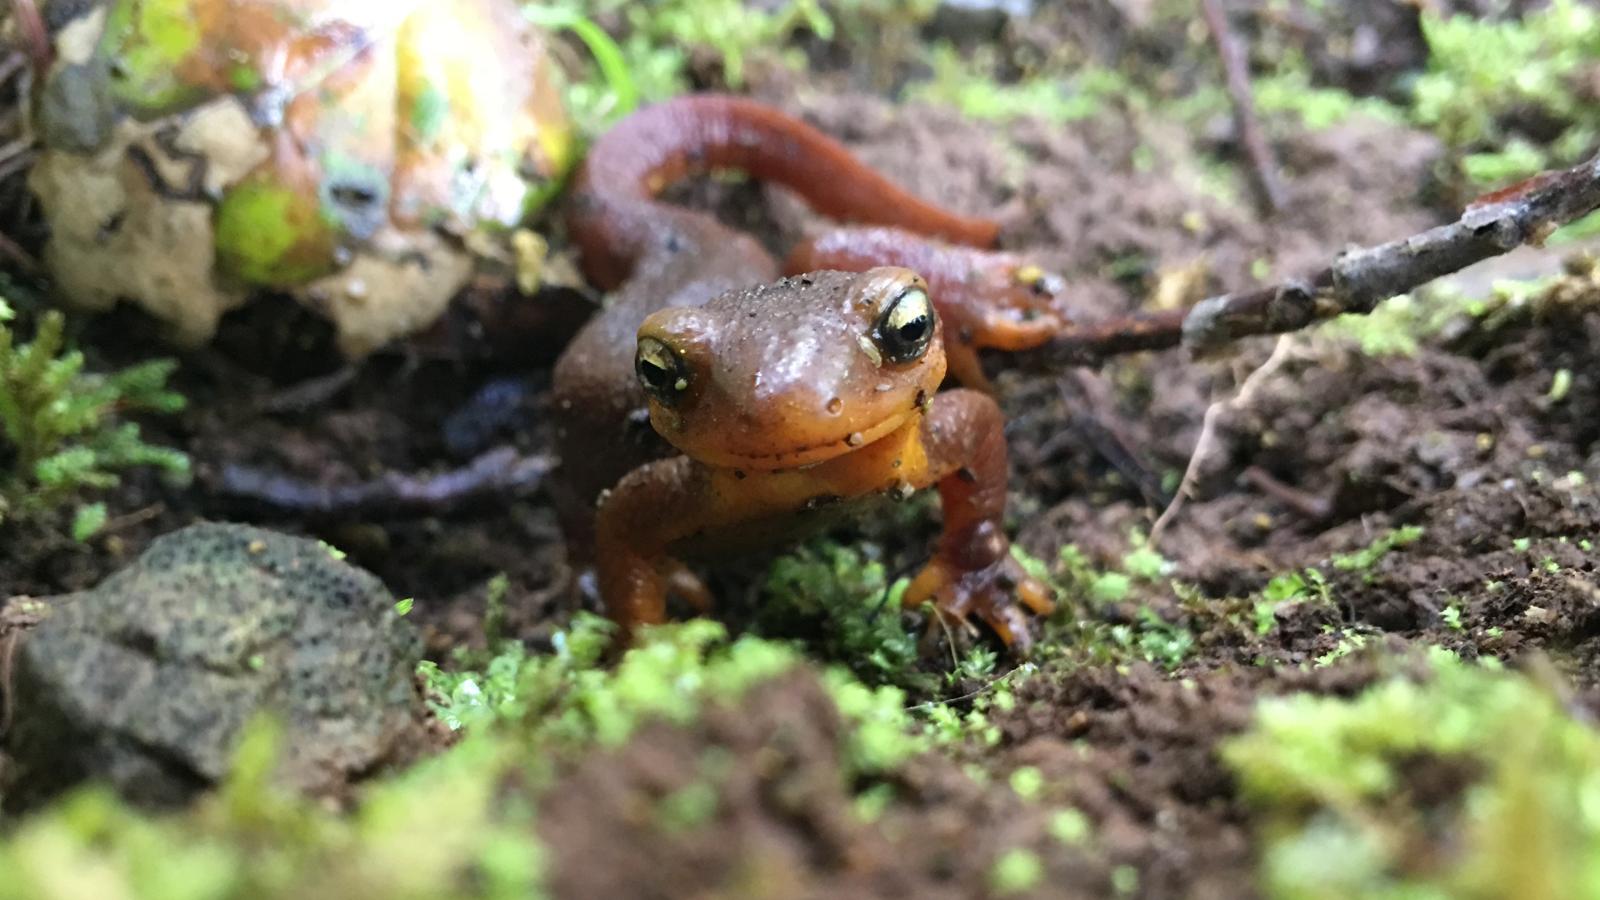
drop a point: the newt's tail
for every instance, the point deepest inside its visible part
(613, 213)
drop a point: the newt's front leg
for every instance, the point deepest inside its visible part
(972, 571)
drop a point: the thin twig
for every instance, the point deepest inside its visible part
(1208, 433)
(11, 63)
(1095, 421)
(1263, 162)
(1309, 506)
(1356, 282)
(35, 36)
(991, 684)
(308, 394)
(489, 478)
(17, 616)
(22, 259)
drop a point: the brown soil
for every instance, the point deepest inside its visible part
(1463, 438)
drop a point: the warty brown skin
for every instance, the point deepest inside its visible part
(661, 257)
(987, 300)
(790, 401)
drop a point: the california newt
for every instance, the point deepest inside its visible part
(785, 397)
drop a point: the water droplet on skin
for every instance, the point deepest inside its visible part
(855, 439)
(835, 406)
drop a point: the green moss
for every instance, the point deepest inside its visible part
(882, 733)
(1364, 559)
(1016, 871)
(649, 58)
(60, 434)
(1329, 781)
(1291, 91)
(1399, 325)
(1027, 782)
(272, 234)
(1070, 827)
(688, 807)
(459, 824)
(966, 82)
(566, 698)
(1482, 71)
(1307, 585)
(1124, 880)
(1085, 636)
(146, 43)
(841, 603)
(441, 829)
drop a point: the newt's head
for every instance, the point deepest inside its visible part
(795, 372)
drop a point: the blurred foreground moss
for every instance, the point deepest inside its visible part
(459, 824)
(439, 830)
(1475, 782)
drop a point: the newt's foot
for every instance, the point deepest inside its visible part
(685, 585)
(991, 593)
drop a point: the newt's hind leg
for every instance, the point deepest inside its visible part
(972, 572)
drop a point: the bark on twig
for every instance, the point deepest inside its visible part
(35, 36)
(1356, 282)
(1263, 162)
(490, 478)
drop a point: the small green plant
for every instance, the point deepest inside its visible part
(1329, 780)
(1364, 559)
(60, 434)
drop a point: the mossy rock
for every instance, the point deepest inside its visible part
(146, 680)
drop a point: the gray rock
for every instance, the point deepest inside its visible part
(146, 680)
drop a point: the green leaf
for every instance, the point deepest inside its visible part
(88, 520)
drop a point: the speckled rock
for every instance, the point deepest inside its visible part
(146, 680)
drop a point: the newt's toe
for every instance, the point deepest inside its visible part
(990, 593)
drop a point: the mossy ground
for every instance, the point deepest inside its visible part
(1383, 636)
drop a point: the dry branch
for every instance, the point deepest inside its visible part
(1263, 162)
(1356, 282)
(489, 479)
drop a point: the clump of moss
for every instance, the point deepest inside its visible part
(1485, 76)
(647, 54)
(60, 431)
(1083, 632)
(569, 698)
(459, 824)
(441, 829)
(1474, 782)
(967, 82)
(845, 608)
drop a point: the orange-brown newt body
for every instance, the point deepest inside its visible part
(784, 398)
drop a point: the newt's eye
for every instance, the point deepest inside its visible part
(661, 372)
(906, 328)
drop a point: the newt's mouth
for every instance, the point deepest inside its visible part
(805, 455)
